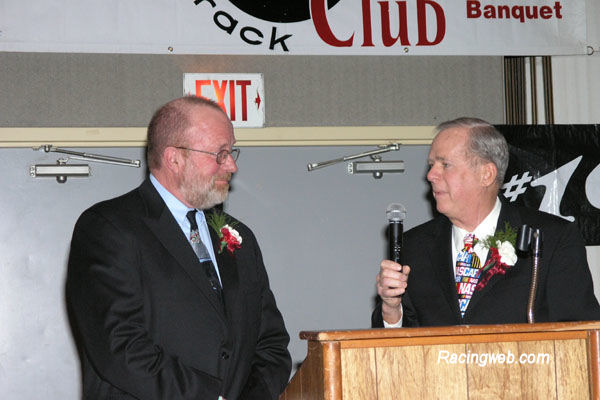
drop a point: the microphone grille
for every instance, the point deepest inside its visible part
(395, 212)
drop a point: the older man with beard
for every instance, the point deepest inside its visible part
(168, 296)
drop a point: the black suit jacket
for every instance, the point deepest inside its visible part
(565, 291)
(147, 323)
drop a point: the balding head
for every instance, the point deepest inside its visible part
(169, 124)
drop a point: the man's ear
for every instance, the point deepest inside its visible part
(488, 174)
(172, 159)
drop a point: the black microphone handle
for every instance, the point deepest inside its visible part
(395, 240)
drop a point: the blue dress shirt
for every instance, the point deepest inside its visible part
(179, 211)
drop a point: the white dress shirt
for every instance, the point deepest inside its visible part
(486, 228)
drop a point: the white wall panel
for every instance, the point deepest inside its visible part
(576, 84)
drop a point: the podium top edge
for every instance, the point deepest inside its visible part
(385, 333)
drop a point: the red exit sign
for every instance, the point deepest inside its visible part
(240, 95)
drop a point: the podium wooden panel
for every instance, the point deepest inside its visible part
(520, 361)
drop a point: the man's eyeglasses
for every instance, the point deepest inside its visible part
(221, 155)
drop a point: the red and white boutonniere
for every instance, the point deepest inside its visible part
(229, 237)
(502, 254)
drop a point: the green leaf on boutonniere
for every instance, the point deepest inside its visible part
(229, 238)
(507, 235)
(218, 220)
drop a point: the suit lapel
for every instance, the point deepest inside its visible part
(228, 272)
(441, 259)
(161, 223)
(507, 214)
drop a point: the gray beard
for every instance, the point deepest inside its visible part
(202, 195)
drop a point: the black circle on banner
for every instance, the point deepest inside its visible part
(279, 10)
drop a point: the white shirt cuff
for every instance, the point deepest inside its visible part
(397, 324)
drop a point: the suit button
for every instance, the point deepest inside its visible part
(224, 355)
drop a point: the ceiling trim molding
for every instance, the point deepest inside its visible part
(272, 136)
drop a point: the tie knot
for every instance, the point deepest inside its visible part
(469, 240)
(191, 216)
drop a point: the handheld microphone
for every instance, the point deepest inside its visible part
(395, 213)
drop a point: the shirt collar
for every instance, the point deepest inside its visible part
(486, 228)
(177, 208)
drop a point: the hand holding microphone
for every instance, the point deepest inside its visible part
(392, 277)
(395, 213)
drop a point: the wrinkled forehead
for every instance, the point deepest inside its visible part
(210, 125)
(450, 143)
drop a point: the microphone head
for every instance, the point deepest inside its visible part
(395, 212)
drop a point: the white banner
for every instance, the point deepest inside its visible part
(309, 27)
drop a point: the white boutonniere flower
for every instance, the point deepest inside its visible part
(502, 254)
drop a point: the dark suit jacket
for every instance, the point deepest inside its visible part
(564, 293)
(148, 324)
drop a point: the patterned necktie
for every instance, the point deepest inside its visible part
(203, 255)
(467, 273)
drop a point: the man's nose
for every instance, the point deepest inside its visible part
(230, 164)
(432, 174)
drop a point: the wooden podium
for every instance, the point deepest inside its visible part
(520, 361)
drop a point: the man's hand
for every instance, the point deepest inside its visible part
(391, 285)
